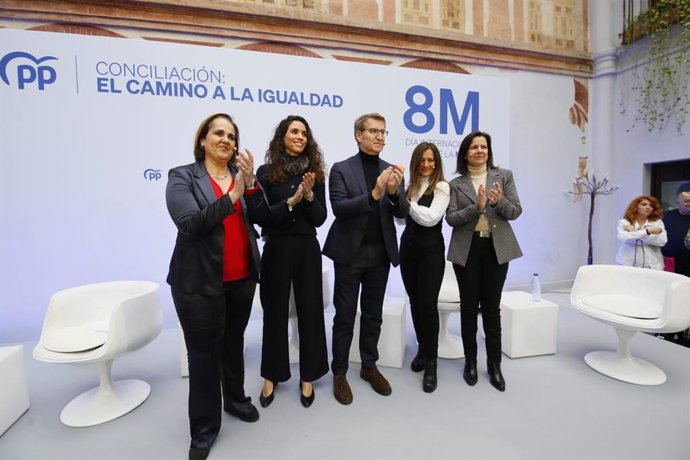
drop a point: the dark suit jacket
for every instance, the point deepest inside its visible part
(197, 261)
(349, 194)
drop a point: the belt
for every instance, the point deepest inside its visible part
(482, 234)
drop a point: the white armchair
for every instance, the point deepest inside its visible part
(449, 345)
(96, 323)
(631, 299)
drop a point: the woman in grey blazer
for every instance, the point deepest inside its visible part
(482, 201)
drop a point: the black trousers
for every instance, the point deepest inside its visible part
(421, 268)
(214, 334)
(369, 270)
(481, 282)
(292, 261)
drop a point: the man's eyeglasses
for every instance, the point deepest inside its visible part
(376, 132)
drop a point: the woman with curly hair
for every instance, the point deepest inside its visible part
(293, 179)
(642, 234)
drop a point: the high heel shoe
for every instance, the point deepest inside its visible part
(306, 400)
(496, 376)
(266, 401)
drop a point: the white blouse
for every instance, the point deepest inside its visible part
(637, 249)
(432, 215)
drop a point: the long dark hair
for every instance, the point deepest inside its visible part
(461, 167)
(276, 149)
(416, 161)
(202, 131)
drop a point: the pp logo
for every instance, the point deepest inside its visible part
(152, 174)
(29, 70)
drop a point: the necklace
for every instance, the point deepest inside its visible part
(227, 173)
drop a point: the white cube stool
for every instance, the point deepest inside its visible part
(14, 396)
(529, 327)
(392, 339)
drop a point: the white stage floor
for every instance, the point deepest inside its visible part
(555, 407)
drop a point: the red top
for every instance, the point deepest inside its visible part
(236, 243)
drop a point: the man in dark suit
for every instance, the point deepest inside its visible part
(366, 193)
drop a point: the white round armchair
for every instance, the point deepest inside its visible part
(96, 323)
(631, 299)
(449, 345)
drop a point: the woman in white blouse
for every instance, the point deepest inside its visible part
(422, 249)
(642, 234)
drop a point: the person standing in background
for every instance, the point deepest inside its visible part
(366, 193)
(293, 179)
(641, 234)
(213, 273)
(422, 250)
(677, 223)
(483, 199)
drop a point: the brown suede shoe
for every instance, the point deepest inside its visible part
(378, 382)
(341, 389)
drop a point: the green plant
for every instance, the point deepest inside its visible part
(659, 79)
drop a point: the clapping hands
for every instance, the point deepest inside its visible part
(245, 163)
(388, 181)
(304, 190)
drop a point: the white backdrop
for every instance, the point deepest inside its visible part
(90, 126)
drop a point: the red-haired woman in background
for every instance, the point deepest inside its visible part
(641, 233)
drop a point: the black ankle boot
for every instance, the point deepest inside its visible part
(470, 373)
(418, 363)
(430, 380)
(496, 376)
(198, 453)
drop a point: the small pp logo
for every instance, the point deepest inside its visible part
(29, 70)
(152, 174)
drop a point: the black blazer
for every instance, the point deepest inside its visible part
(305, 216)
(196, 265)
(349, 194)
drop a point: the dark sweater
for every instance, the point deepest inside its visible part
(676, 228)
(305, 216)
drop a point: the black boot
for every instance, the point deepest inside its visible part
(418, 363)
(430, 380)
(495, 376)
(470, 373)
(198, 453)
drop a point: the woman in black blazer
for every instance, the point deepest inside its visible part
(213, 273)
(294, 181)
(422, 260)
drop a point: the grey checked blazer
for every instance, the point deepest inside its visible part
(462, 214)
